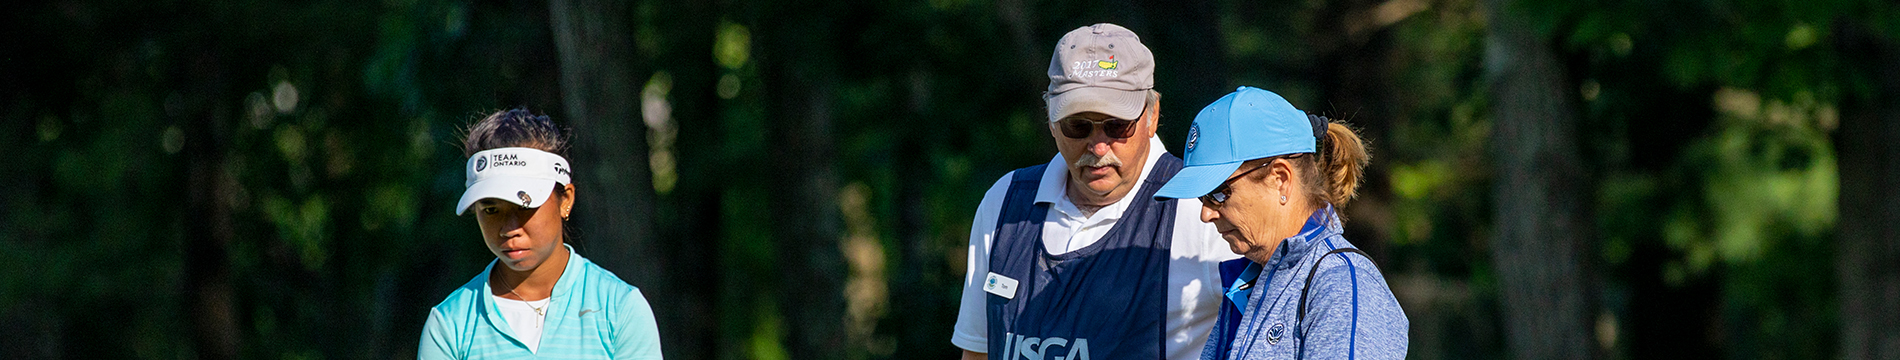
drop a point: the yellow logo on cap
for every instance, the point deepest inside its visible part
(1109, 64)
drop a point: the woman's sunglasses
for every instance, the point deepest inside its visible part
(1079, 128)
(1219, 196)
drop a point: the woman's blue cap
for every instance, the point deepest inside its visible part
(1247, 124)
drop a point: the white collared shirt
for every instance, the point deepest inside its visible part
(1194, 295)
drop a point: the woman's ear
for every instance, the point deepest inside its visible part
(567, 206)
(1282, 176)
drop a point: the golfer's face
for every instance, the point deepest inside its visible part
(521, 238)
(1246, 219)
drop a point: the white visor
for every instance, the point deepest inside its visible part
(523, 176)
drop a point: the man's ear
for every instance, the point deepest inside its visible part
(1153, 115)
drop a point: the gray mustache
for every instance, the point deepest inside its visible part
(1089, 159)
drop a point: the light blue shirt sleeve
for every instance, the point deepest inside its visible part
(636, 334)
(436, 339)
(1353, 314)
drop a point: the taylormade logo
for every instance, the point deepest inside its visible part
(1032, 348)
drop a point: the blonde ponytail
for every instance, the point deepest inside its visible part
(1334, 175)
(1345, 163)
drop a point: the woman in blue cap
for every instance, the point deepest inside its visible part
(538, 298)
(1271, 179)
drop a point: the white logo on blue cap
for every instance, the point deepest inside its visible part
(1194, 135)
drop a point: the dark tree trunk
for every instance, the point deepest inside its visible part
(922, 285)
(1542, 222)
(1868, 265)
(799, 58)
(210, 296)
(614, 185)
(692, 209)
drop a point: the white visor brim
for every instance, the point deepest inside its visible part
(524, 192)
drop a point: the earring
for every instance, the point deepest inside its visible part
(1282, 199)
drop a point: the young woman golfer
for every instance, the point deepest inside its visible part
(538, 298)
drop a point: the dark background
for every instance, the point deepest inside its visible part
(1551, 179)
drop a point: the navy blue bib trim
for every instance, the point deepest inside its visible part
(1107, 300)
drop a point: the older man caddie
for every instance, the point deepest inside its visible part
(1075, 259)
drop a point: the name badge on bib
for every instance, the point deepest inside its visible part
(1000, 285)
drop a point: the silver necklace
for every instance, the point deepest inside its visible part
(540, 314)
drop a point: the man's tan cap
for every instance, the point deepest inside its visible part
(1100, 68)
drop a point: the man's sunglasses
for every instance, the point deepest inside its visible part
(1079, 128)
(1219, 196)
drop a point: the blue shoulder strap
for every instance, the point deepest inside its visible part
(1300, 320)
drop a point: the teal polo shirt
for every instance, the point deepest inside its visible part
(593, 315)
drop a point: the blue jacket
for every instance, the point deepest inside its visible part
(1350, 311)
